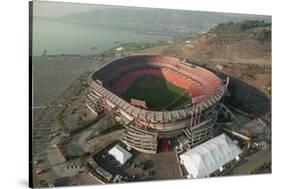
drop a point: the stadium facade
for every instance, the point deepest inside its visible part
(145, 127)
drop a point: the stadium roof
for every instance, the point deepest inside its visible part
(208, 157)
(120, 154)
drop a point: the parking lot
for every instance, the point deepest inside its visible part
(140, 166)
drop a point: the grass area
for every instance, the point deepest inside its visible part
(156, 91)
(179, 103)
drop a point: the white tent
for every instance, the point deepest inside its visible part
(210, 156)
(120, 154)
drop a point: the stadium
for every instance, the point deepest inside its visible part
(157, 98)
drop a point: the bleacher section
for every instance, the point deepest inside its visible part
(190, 85)
(198, 81)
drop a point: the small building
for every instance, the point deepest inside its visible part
(120, 154)
(210, 156)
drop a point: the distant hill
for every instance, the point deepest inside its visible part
(246, 41)
(160, 21)
(241, 50)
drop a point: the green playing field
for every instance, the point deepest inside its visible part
(157, 92)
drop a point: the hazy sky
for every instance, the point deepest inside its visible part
(58, 9)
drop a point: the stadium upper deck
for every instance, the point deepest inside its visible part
(177, 72)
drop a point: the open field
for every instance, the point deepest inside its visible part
(156, 91)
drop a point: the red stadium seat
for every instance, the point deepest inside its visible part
(197, 81)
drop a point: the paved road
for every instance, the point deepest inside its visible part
(42, 144)
(253, 161)
(42, 129)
